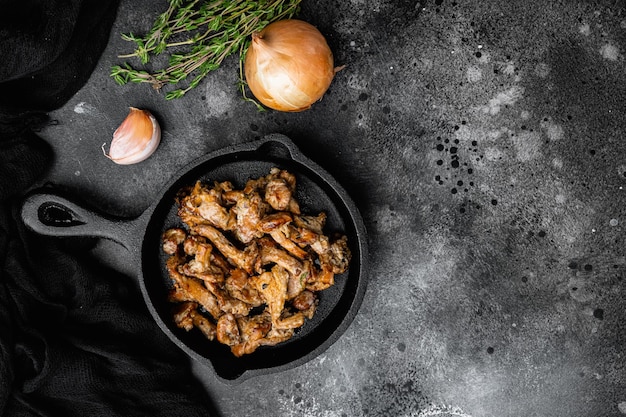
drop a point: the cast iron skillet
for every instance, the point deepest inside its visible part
(53, 215)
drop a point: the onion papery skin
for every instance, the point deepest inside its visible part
(289, 65)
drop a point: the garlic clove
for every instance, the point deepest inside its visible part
(135, 139)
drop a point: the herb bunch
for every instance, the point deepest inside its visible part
(197, 36)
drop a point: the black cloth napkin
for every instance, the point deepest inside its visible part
(75, 337)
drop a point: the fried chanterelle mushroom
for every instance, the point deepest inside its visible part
(246, 266)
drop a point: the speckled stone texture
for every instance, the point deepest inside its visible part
(484, 144)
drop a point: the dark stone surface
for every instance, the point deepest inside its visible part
(483, 142)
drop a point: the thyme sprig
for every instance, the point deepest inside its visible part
(197, 36)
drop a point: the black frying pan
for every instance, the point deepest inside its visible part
(53, 215)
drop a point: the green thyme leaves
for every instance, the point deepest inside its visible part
(195, 37)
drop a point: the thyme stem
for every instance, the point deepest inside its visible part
(197, 36)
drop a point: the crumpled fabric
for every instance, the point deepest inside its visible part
(76, 338)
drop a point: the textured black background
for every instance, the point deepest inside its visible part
(483, 142)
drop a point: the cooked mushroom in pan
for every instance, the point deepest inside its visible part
(247, 265)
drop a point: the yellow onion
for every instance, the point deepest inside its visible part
(135, 139)
(289, 65)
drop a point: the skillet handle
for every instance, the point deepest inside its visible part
(50, 214)
(278, 145)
